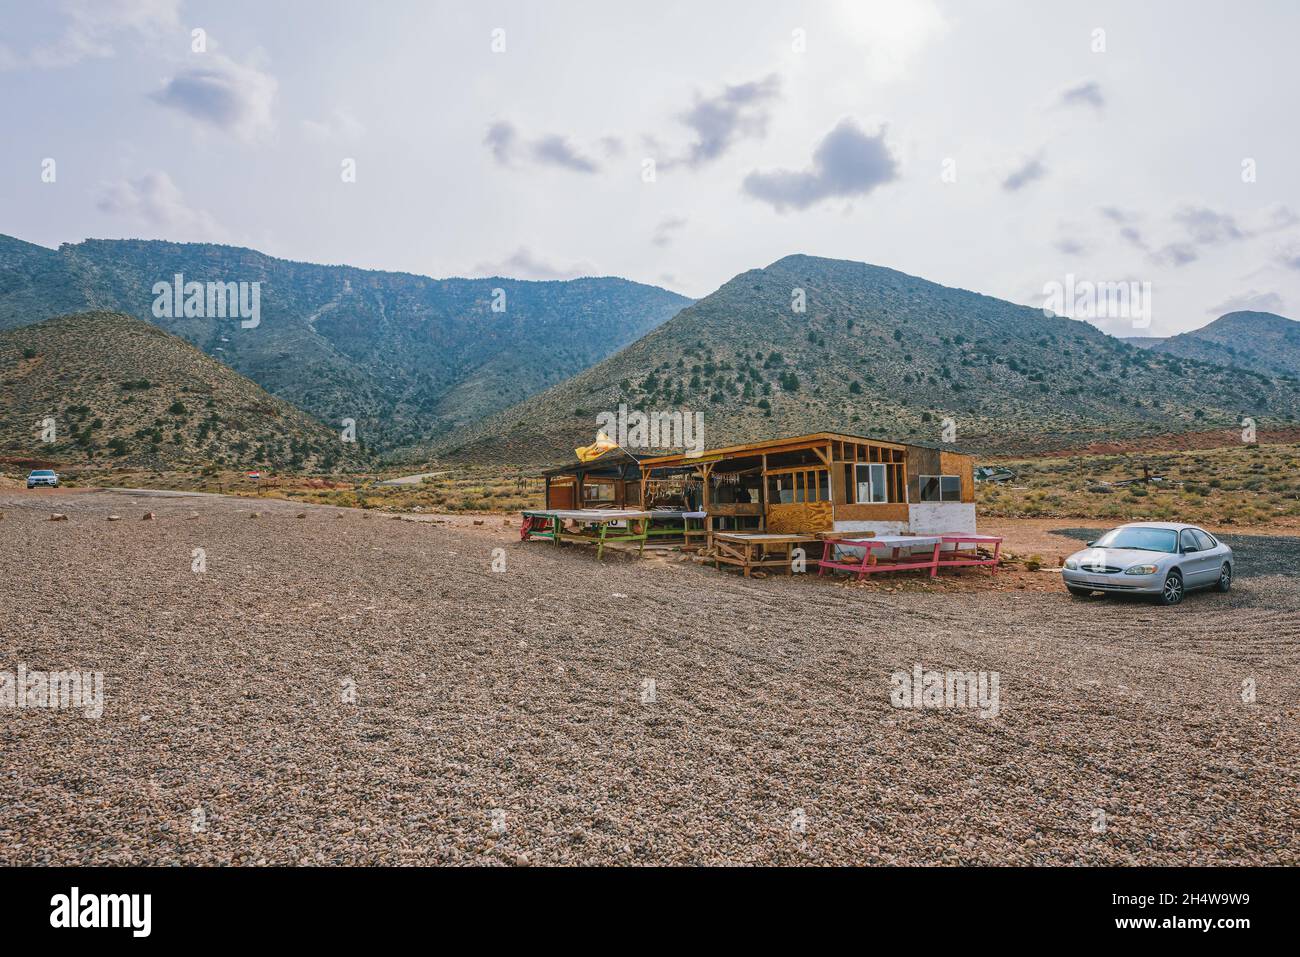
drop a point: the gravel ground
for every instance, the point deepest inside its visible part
(500, 718)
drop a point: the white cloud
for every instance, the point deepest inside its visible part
(340, 125)
(1175, 254)
(523, 264)
(155, 202)
(1208, 227)
(92, 29)
(1251, 301)
(1028, 172)
(554, 150)
(846, 163)
(739, 111)
(666, 228)
(223, 95)
(550, 149)
(1289, 257)
(1087, 93)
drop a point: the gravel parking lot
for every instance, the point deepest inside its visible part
(345, 688)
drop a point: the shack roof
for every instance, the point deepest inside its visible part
(612, 463)
(609, 463)
(789, 443)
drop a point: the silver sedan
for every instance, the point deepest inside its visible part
(1165, 559)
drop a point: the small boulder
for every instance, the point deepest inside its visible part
(115, 518)
(302, 514)
(58, 517)
(147, 517)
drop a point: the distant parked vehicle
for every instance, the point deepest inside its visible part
(44, 477)
(993, 473)
(1165, 559)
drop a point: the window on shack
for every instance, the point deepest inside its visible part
(799, 485)
(871, 483)
(598, 491)
(940, 488)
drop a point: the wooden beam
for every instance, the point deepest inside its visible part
(707, 471)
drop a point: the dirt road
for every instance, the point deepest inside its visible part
(346, 688)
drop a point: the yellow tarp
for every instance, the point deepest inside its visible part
(598, 448)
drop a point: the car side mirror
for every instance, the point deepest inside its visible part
(1090, 544)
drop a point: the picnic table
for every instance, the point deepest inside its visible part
(748, 550)
(595, 525)
(869, 564)
(669, 522)
(958, 539)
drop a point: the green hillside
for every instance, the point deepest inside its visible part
(881, 353)
(408, 357)
(1260, 341)
(120, 391)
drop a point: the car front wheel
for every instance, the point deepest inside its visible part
(1225, 577)
(1172, 591)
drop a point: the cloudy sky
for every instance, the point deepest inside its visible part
(996, 146)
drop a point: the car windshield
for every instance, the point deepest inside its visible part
(44, 473)
(1147, 539)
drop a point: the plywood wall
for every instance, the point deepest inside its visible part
(954, 463)
(800, 517)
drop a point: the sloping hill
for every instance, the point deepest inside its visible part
(122, 391)
(1261, 341)
(882, 353)
(407, 356)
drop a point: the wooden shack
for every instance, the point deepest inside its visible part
(824, 482)
(611, 481)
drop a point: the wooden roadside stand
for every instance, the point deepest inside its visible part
(749, 506)
(825, 484)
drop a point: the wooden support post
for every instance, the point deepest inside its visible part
(706, 470)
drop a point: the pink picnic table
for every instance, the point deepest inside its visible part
(893, 543)
(899, 562)
(958, 539)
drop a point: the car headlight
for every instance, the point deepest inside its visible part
(1071, 564)
(1140, 570)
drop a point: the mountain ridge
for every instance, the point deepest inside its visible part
(882, 353)
(1248, 339)
(409, 357)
